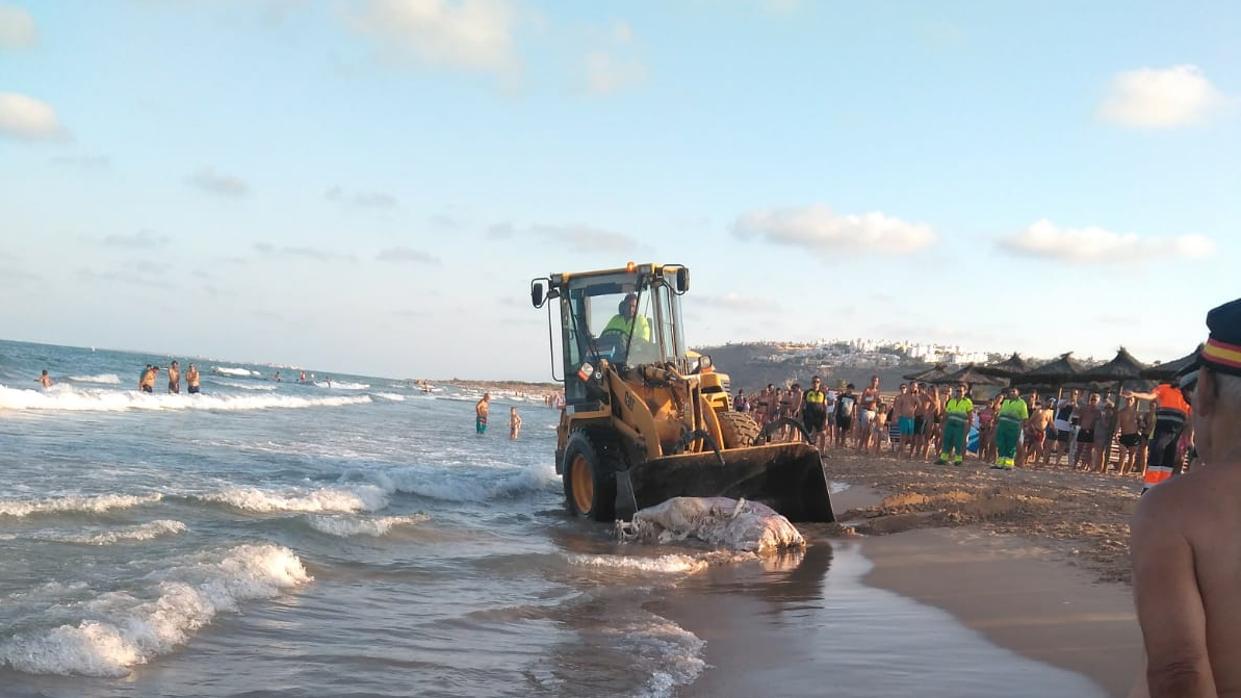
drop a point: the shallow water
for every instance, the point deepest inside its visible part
(284, 539)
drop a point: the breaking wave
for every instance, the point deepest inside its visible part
(122, 630)
(231, 371)
(65, 397)
(672, 655)
(334, 499)
(347, 526)
(342, 385)
(390, 396)
(667, 564)
(140, 532)
(107, 378)
(74, 503)
(245, 386)
(461, 485)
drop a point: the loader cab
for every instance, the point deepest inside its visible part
(628, 317)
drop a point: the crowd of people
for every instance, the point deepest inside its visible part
(1008, 430)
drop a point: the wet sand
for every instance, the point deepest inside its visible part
(1035, 561)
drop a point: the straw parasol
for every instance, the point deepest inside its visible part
(1008, 368)
(971, 375)
(929, 375)
(1168, 370)
(1063, 370)
(1122, 368)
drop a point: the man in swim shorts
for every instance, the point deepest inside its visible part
(867, 407)
(192, 381)
(1130, 439)
(174, 378)
(147, 384)
(481, 408)
(1036, 432)
(514, 423)
(846, 408)
(904, 409)
(1089, 418)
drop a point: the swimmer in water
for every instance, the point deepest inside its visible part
(192, 381)
(44, 380)
(174, 378)
(481, 408)
(514, 423)
(147, 384)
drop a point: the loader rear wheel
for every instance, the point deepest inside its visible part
(590, 465)
(737, 429)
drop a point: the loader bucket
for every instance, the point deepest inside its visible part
(787, 477)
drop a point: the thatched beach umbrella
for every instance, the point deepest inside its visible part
(971, 375)
(1062, 370)
(1008, 368)
(1122, 368)
(1168, 370)
(929, 375)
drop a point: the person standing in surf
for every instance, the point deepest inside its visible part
(147, 382)
(44, 380)
(514, 424)
(481, 408)
(192, 382)
(174, 378)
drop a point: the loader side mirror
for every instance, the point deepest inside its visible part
(538, 293)
(682, 280)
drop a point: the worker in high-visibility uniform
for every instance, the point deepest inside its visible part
(627, 321)
(1012, 415)
(814, 411)
(1172, 414)
(958, 413)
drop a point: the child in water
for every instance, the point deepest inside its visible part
(514, 423)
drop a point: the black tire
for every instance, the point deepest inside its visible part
(598, 457)
(737, 429)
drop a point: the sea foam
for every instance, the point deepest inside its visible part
(74, 503)
(332, 499)
(342, 385)
(454, 485)
(106, 378)
(244, 386)
(139, 532)
(347, 526)
(65, 397)
(123, 629)
(394, 397)
(665, 564)
(231, 371)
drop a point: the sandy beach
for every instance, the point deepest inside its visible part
(1032, 561)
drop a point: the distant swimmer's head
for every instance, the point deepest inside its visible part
(175, 364)
(45, 371)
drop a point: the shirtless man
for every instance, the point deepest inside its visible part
(192, 382)
(1130, 439)
(904, 409)
(930, 420)
(174, 378)
(846, 411)
(1041, 417)
(866, 411)
(514, 424)
(147, 383)
(481, 408)
(1089, 418)
(1186, 560)
(44, 380)
(917, 445)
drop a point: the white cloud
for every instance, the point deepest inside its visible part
(605, 73)
(17, 28)
(1094, 245)
(818, 229)
(28, 119)
(1160, 98)
(212, 182)
(466, 34)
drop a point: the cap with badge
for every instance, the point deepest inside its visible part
(1222, 350)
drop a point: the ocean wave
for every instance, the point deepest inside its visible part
(123, 630)
(342, 385)
(348, 526)
(664, 564)
(390, 396)
(334, 499)
(74, 503)
(672, 655)
(231, 371)
(140, 532)
(461, 486)
(244, 386)
(65, 397)
(107, 378)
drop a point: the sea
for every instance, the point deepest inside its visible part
(358, 538)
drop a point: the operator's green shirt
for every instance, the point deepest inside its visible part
(1015, 409)
(640, 326)
(959, 408)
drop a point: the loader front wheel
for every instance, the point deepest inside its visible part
(737, 429)
(590, 464)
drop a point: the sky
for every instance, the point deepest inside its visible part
(368, 186)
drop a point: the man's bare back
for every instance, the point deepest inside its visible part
(1187, 567)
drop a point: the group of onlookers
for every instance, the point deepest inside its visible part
(923, 421)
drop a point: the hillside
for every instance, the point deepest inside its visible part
(752, 366)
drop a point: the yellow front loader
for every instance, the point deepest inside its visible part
(644, 419)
